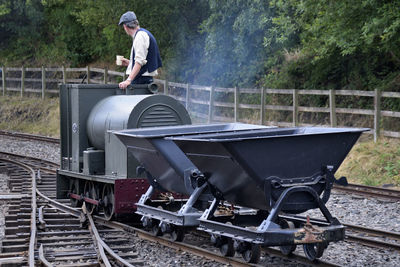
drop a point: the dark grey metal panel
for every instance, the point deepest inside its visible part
(65, 144)
(116, 157)
(93, 162)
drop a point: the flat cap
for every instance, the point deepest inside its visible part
(127, 17)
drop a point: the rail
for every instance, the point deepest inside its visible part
(370, 191)
(32, 225)
(216, 104)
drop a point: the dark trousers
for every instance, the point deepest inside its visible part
(142, 80)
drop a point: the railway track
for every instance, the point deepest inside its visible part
(30, 136)
(40, 230)
(366, 236)
(373, 237)
(60, 235)
(370, 191)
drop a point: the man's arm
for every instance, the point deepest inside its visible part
(135, 70)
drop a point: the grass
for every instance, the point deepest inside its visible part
(368, 163)
(30, 115)
(372, 163)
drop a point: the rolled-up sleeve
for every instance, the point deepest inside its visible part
(141, 45)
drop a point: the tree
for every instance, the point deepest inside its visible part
(20, 24)
(351, 43)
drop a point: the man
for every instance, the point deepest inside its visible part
(145, 57)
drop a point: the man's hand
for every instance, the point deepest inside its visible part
(124, 84)
(125, 62)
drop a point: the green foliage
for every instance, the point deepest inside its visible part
(341, 44)
(323, 44)
(20, 27)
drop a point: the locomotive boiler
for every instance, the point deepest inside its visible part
(95, 165)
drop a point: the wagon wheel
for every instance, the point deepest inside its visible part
(314, 251)
(287, 250)
(227, 249)
(91, 192)
(155, 229)
(177, 234)
(74, 188)
(108, 201)
(252, 254)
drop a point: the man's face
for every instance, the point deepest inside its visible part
(126, 29)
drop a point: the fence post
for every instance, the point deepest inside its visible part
(64, 73)
(377, 114)
(105, 75)
(295, 107)
(262, 112)
(211, 105)
(236, 116)
(165, 87)
(43, 81)
(187, 97)
(332, 108)
(88, 74)
(3, 77)
(22, 80)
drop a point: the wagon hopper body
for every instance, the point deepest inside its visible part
(270, 170)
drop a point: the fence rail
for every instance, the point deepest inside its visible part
(201, 101)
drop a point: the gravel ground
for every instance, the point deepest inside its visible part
(373, 213)
(3, 204)
(19, 146)
(349, 209)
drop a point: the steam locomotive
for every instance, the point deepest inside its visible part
(126, 151)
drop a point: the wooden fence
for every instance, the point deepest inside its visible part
(201, 101)
(15, 79)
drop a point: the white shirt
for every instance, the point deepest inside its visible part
(140, 44)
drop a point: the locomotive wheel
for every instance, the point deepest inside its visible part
(177, 234)
(91, 192)
(252, 254)
(108, 201)
(314, 251)
(227, 249)
(287, 250)
(74, 188)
